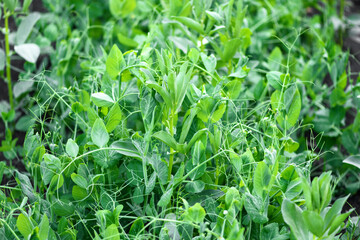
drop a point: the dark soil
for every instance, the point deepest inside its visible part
(36, 6)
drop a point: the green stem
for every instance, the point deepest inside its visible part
(172, 152)
(217, 173)
(8, 66)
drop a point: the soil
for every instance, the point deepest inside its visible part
(36, 6)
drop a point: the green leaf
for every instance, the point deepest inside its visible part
(150, 184)
(230, 48)
(338, 221)
(79, 193)
(274, 80)
(292, 215)
(121, 8)
(195, 186)
(136, 227)
(165, 198)
(166, 138)
(313, 222)
(63, 208)
(191, 23)
(115, 61)
(72, 149)
(160, 90)
(99, 134)
(194, 55)
(195, 214)
(127, 41)
(10, 4)
(287, 114)
(112, 233)
(262, 178)
(26, 26)
(275, 59)
(334, 211)
(79, 180)
(56, 182)
(24, 225)
(26, 186)
(127, 148)
(353, 160)
(44, 228)
(113, 118)
(256, 208)
(209, 62)
(28, 51)
(102, 99)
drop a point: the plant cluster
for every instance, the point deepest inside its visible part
(190, 119)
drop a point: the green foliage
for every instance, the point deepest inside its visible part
(178, 119)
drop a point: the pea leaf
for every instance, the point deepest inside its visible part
(28, 51)
(115, 61)
(165, 198)
(195, 214)
(353, 160)
(26, 26)
(195, 186)
(24, 225)
(274, 80)
(112, 233)
(314, 222)
(99, 134)
(72, 149)
(44, 228)
(113, 118)
(262, 178)
(102, 99)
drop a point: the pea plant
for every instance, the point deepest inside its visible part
(186, 120)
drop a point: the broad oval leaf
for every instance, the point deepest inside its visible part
(28, 51)
(99, 134)
(24, 225)
(102, 99)
(72, 149)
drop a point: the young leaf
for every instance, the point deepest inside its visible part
(127, 148)
(113, 118)
(256, 208)
(262, 178)
(44, 228)
(195, 214)
(314, 222)
(79, 180)
(26, 26)
(190, 23)
(353, 160)
(136, 227)
(112, 233)
(99, 134)
(115, 61)
(195, 186)
(292, 215)
(102, 99)
(209, 62)
(24, 225)
(274, 80)
(28, 51)
(165, 198)
(72, 149)
(166, 138)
